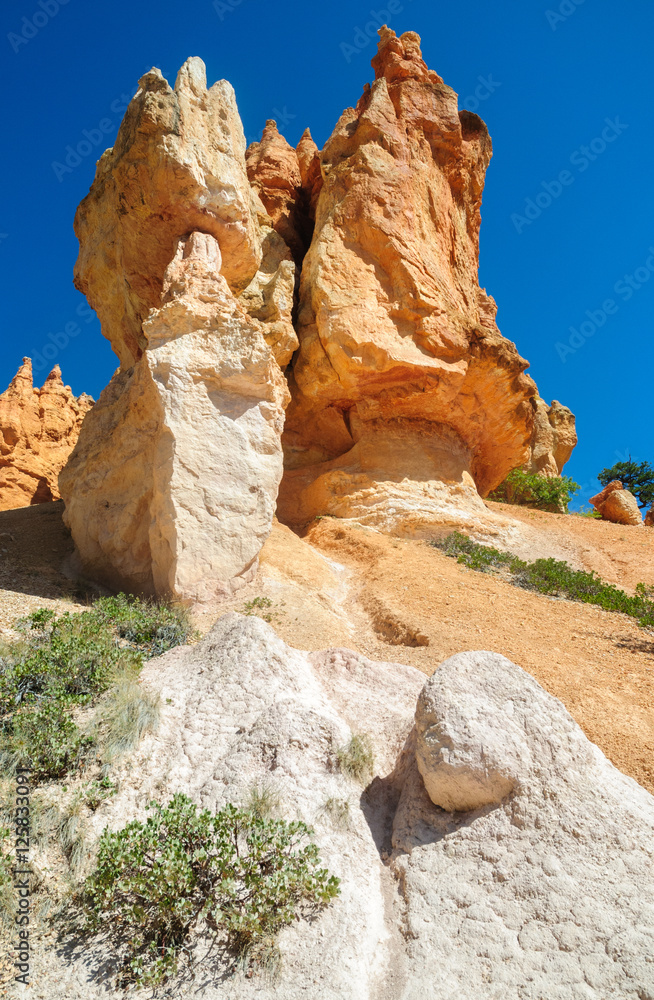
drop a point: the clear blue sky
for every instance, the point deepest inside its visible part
(552, 77)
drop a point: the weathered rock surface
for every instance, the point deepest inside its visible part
(171, 489)
(546, 891)
(177, 166)
(553, 439)
(274, 173)
(618, 505)
(649, 517)
(38, 431)
(397, 339)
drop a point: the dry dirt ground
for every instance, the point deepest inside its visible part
(402, 600)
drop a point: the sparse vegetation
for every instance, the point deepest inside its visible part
(262, 607)
(636, 477)
(552, 577)
(263, 801)
(338, 811)
(529, 489)
(124, 716)
(7, 899)
(356, 758)
(63, 663)
(232, 877)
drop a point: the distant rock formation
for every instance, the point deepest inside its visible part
(617, 504)
(407, 405)
(38, 431)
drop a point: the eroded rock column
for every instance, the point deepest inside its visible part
(172, 487)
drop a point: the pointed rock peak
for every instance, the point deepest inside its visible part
(400, 58)
(306, 147)
(192, 77)
(272, 138)
(154, 80)
(22, 380)
(54, 378)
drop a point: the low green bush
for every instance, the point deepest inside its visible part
(63, 662)
(528, 489)
(234, 876)
(552, 577)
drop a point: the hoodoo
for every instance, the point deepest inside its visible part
(341, 284)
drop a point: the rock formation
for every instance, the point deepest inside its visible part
(38, 431)
(649, 517)
(616, 504)
(538, 885)
(406, 398)
(406, 403)
(172, 487)
(553, 439)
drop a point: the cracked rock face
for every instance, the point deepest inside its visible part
(545, 890)
(38, 431)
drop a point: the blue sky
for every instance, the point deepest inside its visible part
(567, 239)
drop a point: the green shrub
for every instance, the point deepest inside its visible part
(232, 875)
(529, 489)
(474, 556)
(66, 661)
(45, 738)
(356, 758)
(262, 608)
(150, 627)
(552, 577)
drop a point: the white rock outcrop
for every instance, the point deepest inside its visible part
(172, 488)
(546, 892)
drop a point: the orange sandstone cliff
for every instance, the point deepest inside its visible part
(38, 431)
